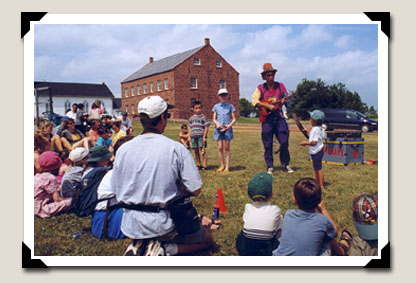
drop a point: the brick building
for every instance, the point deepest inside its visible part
(196, 74)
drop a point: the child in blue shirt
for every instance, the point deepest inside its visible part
(224, 119)
(104, 139)
(306, 232)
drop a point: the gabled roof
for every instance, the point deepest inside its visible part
(162, 65)
(74, 89)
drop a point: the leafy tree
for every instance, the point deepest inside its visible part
(311, 95)
(246, 107)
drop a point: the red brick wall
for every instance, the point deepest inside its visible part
(208, 77)
(135, 99)
(180, 92)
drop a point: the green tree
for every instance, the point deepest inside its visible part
(311, 95)
(245, 107)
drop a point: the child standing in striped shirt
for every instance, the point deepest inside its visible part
(199, 125)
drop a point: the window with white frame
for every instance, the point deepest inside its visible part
(126, 92)
(194, 83)
(132, 109)
(144, 88)
(159, 85)
(132, 91)
(152, 89)
(138, 90)
(223, 84)
(166, 83)
(218, 63)
(197, 61)
(127, 108)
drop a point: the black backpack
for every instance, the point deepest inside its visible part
(85, 199)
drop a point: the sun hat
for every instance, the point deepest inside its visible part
(78, 154)
(153, 106)
(49, 160)
(261, 186)
(99, 153)
(365, 216)
(317, 115)
(267, 67)
(222, 91)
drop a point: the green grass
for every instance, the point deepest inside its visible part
(53, 236)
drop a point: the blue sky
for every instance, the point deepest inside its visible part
(110, 53)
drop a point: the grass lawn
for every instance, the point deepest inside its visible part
(53, 236)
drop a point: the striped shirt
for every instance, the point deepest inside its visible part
(197, 123)
(262, 221)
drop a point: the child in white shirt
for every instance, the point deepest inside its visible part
(316, 146)
(262, 221)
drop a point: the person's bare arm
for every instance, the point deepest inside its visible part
(322, 209)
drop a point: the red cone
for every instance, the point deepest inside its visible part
(223, 209)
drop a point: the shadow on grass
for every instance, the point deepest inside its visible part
(232, 168)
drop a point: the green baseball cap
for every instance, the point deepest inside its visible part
(99, 153)
(261, 186)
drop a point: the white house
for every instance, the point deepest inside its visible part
(65, 94)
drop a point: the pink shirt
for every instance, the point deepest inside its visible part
(45, 184)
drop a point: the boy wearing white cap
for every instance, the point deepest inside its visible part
(73, 174)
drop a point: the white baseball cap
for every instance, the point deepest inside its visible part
(222, 91)
(153, 106)
(78, 154)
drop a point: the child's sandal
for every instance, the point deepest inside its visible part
(346, 239)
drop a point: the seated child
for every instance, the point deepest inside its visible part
(105, 191)
(93, 132)
(365, 217)
(262, 221)
(104, 139)
(306, 232)
(48, 201)
(106, 121)
(118, 132)
(64, 166)
(184, 137)
(73, 174)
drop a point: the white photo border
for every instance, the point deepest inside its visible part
(383, 180)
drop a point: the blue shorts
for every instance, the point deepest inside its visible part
(226, 136)
(317, 160)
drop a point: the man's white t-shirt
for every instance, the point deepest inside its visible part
(147, 171)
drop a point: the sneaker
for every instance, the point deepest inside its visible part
(135, 248)
(154, 248)
(270, 171)
(288, 169)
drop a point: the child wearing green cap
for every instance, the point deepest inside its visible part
(262, 221)
(316, 146)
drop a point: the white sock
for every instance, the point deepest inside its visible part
(171, 248)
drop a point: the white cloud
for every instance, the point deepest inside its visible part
(344, 42)
(313, 35)
(110, 53)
